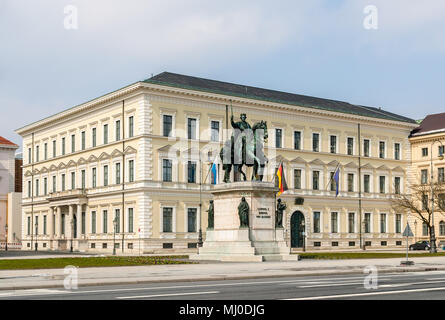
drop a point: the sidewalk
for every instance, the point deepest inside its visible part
(53, 278)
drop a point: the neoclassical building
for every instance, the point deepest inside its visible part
(131, 168)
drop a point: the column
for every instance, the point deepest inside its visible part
(79, 221)
(58, 219)
(69, 223)
(51, 222)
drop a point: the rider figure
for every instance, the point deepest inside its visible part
(245, 129)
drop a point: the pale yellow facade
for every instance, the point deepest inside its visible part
(425, 149)
(148, 200)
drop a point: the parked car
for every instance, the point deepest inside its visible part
(420, 245)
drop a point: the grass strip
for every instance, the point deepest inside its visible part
(87, 262)
(363, 255)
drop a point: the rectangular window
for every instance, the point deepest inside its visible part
(424, 229)
(44, 224)
(278, 138)
(130, 220)
(441, 150)
(73, 143)
(366, 179)
(297, 178)
(350, 146)
(382, 149)
(366, 147)
(191, 219)
(398, 223)
(105, 176)
(351, 222)
(94, 137)
(316, 142)
(29, 155)
(424, 176)
(118, 130)
(215, 130)
(315, 180)
(167, 219)
(367, 223)
(424, 152)
(54, 149)
(333, 144)
(29, 226)
(93, 222)
(131, 171)
(168, 121)
(54, 184)
(191, 172)
(63, 146)
(131, 127)
(397, 185)
(382, 184)
(334, 222)
(29, 189)
(166, 170)
(316, 222)
(191, 128)
(117, 220)
(37, 187)
(94, 178)
(83, 173)
(105, 133)
(118, 173)
(383, 223)
(36, 225)
(37, 153)
(297, 140)
(63, 182)
(83, 142)
(350, 182)
(83, 223)
(73, 180)
(333, 185)
(105, 221)
(45, 151)
(424, 202)
(45, 186)
(63, 224)
(441, 175)
(397, 151)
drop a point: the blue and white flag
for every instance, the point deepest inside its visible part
(214, 172)
(337, 180)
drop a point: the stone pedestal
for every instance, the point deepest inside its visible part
(260, 242)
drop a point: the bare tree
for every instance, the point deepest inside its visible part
(419, 203)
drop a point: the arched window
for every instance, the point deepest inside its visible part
(442, 228)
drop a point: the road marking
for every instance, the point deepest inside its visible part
(169, 295)
(31, 292)
(331, 285)
(349, 295)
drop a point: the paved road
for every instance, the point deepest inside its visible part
(417, 285)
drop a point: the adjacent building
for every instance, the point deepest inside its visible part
(10, 194)
(130, 169)
(428, 145)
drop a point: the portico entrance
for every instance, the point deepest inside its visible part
(296, 229)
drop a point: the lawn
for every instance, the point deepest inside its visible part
(53, 263)
(363, 255)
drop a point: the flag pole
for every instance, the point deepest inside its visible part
(330, 180)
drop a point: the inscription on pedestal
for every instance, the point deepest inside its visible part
(263, 213)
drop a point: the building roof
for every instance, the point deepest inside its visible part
(226, 88)
(5, 142)
(433, 123)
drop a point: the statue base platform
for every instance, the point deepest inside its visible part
(261, 241)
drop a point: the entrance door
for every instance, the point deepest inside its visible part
(75, 226)
(296, 229)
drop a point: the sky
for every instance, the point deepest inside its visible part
(50, 61)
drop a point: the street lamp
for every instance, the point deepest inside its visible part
(6, 235)
(114, 235)
(72, 234)
(433, 248)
